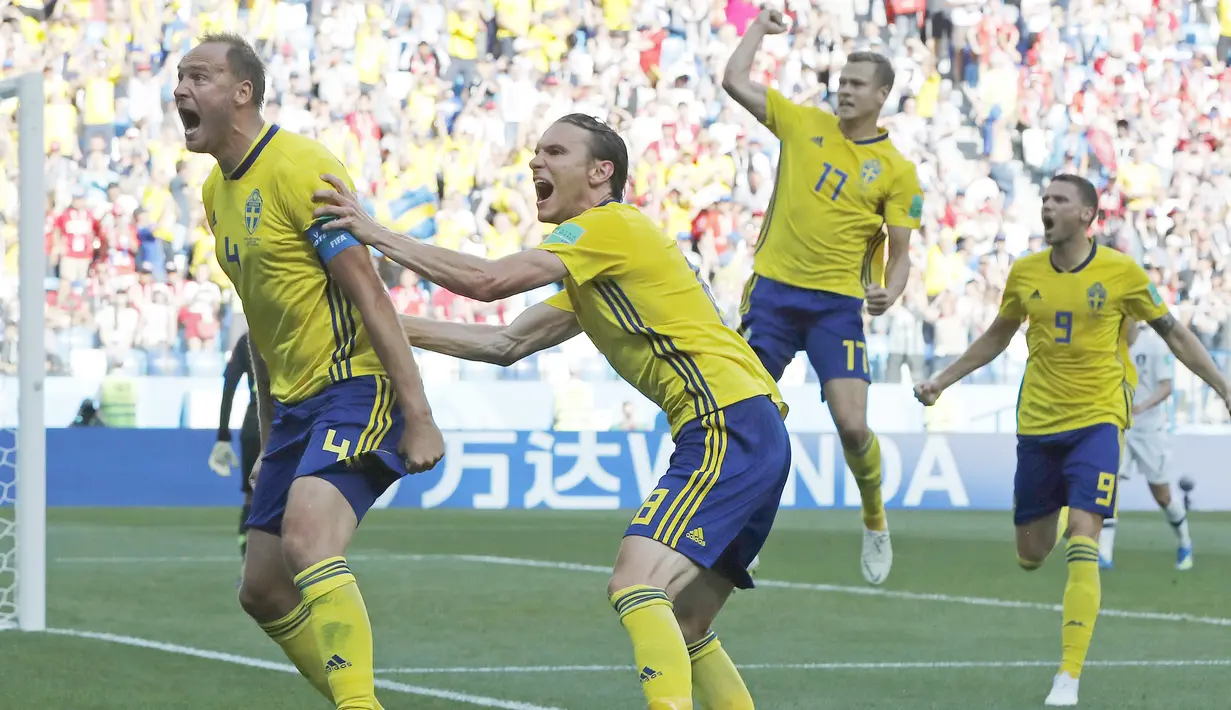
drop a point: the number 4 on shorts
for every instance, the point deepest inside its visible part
(341, 448)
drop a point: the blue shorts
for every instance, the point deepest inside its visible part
(779, 320)
(1075, 468)
(347, 434)
(717, 501)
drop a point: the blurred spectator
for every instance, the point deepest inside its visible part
(629, 420)
(434, 108)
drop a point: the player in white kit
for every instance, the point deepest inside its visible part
(1146, 448)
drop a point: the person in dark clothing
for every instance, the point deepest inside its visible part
(223, 458)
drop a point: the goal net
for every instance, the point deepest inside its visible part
(23, 494)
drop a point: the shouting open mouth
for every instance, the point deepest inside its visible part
(543, 189)
(191, 120)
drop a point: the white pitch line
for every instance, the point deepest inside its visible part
(985, 601)
(466, 698)
(904, 665)
(769, 583)
(461, 670)
(523, 562)
(185, 559)
(193, 559)
(867, 591)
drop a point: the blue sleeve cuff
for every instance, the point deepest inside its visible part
(329, 244)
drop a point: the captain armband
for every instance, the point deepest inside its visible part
(329, 243)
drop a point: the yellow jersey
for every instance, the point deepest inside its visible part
(306, 330)
(463, 34)
(1078, 372)
(832, 198)
(648, 312)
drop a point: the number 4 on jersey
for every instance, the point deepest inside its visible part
(232, 252)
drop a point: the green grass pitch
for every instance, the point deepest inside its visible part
(475, 609)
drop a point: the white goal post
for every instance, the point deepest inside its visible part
(23, 481)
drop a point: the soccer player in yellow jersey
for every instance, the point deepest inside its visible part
(629, 288)
(841, 185)
(1076, 396)
(340, 405)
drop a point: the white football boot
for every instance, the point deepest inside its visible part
(1063, 691)
(877, 557)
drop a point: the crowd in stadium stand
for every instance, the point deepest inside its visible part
(434, 108)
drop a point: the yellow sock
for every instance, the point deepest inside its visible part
(865, 465)
(1082, 595)
(658, 646)
(339, 620)
(1062, 524)
(289, 633)
(301, 648)
(715, 681)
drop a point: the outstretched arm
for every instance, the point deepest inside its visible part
(468, 275)
(463, 274)
(1188, 350)
(736, 78)
(540, 327)
(982, 351)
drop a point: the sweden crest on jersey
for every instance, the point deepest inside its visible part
(870, 170)
(1096, 296)
(252, 211)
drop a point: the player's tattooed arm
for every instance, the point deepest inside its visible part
(540, 327)
(1163, 326)
(1189, 350)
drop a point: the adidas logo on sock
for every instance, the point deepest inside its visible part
(648, 674)
(336, 663)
